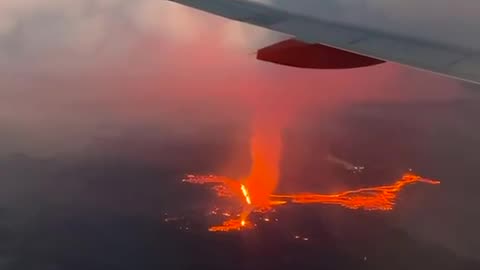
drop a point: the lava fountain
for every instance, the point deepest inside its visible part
(265, 150)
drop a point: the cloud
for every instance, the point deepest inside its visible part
(429, 19)
(55, 34)
(146, 59)
(166, 17)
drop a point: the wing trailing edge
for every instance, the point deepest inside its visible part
(444, 59)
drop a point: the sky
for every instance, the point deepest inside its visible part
(103, 102)
(160, 45)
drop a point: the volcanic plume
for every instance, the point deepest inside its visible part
(266, 147)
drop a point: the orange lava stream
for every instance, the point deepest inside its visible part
(223, 186)
(231, 225)
(369, 198)
(256, 192)
(381, 198)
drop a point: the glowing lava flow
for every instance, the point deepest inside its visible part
(225, 187)
(370, 198)
(256, 192)
(231, 225)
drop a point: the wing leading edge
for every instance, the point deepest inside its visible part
(460, 63)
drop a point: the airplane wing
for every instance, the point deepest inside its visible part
(457, 62)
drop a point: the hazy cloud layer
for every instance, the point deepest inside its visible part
(46, 32)
(35, 30)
